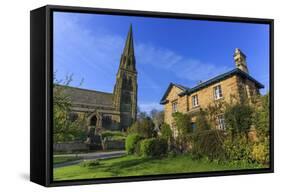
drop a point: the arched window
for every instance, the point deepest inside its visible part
(106, 121)
(93, 121)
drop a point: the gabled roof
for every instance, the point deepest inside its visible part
(183, 88)
(86, 96)
(216, 79)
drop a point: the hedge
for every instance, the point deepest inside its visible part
(153, 147)
(131, 143)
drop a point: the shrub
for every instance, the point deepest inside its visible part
(153, 147)
(166, 131)
(144, 127)
(90, 163)
(208, 144)
(184, 128)
(131, 143)
(260, 152)
(201, 122)
(238, 118)
(113, 135)
(238, 148)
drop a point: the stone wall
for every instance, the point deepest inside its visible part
(69, 147)
(173, 97)
(229, 87)
(114, 144)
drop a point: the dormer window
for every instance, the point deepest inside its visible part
(217, 92)
(174, 106)
(195, 101)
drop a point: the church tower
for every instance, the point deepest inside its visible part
(240, 60)
(125, 89)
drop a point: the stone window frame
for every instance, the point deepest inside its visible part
(220, 122)
(195, 100)
(174, 106)
(217, 92)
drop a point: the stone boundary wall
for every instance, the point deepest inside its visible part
(114, 144)
(70, 146)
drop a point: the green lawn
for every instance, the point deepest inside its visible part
(58, 159)
(135, 166)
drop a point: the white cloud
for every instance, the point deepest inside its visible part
(181, 66)
(147, 107)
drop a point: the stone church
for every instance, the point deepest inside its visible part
(110, 111)
(236, 83)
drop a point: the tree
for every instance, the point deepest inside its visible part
(201, 122)
(144, 127)
(238, 118)
(65, 127)
(213, 110)
(261, 115)
(166, 132)
(183, 128)
(157, 118)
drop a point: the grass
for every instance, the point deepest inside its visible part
(137, 166)
(57, 160)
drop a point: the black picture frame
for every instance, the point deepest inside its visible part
(41, 70)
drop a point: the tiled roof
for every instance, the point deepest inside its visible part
(85, 96)
(183, 88)
(216, 79)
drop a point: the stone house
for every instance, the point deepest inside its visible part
(223, 87)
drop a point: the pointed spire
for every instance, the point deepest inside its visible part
(129, 46)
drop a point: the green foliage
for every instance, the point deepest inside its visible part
(261, 115)
(213, 110)
(183, 128)
(238, 118)
(238, 148)
(260, 152)
(90, 163)
(144, 127)
(208, 144)
(132, 142)
(166, 132)
(113, 135)
(183, 123)
(65, 127)
(201, 122)
(153, 147)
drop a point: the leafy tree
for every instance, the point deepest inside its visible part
(65, 127)
(183, 128)
(201, 122)
(166, 131)
(238, 118)
(144, 127)
(261, 115)
(213, 110)
(157, 118)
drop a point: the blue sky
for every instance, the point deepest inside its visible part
(89, 46)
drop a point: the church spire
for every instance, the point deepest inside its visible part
(129, 46)
(128, 56)
(126, 88)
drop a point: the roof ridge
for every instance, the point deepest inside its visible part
(83, 89)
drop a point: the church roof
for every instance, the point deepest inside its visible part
(216, 79)
(88, 97)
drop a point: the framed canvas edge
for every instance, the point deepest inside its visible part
(49, 65)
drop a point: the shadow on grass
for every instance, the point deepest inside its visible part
(116, 167)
